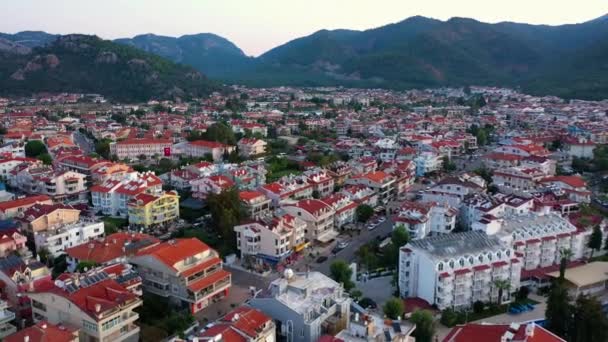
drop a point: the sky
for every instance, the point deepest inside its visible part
(257, 26)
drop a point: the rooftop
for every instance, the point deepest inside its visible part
(449, 245)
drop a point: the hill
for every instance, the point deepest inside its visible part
(211, 54)
(88, 64)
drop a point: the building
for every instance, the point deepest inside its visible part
(428, 162)
(580, 148)
(574, 187)
(203, 187)
(113, 249)
(271, 239)
(255, 203)
(305, 306)
(9, 164)
(456, 270)
(98, 306)
(381, 182)
(368, 327)
(13, 242)
(43, 332)
(585, 280)
(421, 219)
(322, 183)
(361, 194)
(340, 172)
(112, 197)
(344, 207)
(145, 210)
(517, 179)
(287, 188)
(250, 147)
(133, 149)
(515, 332)
(243, 324)
(319, 218)
(60, 185)
(57, 239)
(186, 271)
(203, 148)
(452, 190)
(6, 316)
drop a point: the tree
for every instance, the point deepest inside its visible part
(394, 308)
(400, 237)
(425, 325)
(448, 165)
(501, 285)
(559, 310)
(45, 158)
(478, 306)
(44, 255)
(34, 148)
(342, 273)
(595, 240)
(220, 132)
(85, 265)
(589, 321)
(102, 147)
(449, 317)
(226, 212)
(606, 244)
(355, 294)
(364, 212)
(565, 255)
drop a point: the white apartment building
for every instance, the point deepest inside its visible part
(271, 238)
(287, 188)
(452, 190)
(539, 239)
(134, 148)
(57, 239)
(319, 218)
(479, 206)
(424, 219)
(6, 316)
(344, 207)
(427, 162)
(249, 147)
(517, 179)
(455, 270)
(321, 181)
(381, 182)
(112, 197)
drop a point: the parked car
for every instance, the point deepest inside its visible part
(343, 244)
(371, 226)
(321, 259)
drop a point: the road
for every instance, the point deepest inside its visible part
(348, 254)
(84, 143)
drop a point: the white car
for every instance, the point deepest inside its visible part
(343, 244)
(382, 219)
(371, 226)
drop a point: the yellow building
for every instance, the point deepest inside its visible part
(147, 210)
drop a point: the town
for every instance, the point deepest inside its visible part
(304, 214)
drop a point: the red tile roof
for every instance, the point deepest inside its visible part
(250, 195)
(493, 332)
(207, 281)
(44, 332)
(174, 251)
(31, 200)
(247, 320)
(110, 248)
(207, 144)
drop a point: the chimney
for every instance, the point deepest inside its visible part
(43, 326)
(530, 329)
(26, 338)
(97, 307)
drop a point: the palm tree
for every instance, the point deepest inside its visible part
(565, 255)
(501, 285)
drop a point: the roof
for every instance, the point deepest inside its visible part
(207, 144)
(450, 245)
(44, 331)
(31, 200)
(225, 330)
(247, 320)
(494, 332)
(313, 206)
(573, 181)
(585, 275)
(250, 195)
(209, 280)
(174, 251)
(110, 248)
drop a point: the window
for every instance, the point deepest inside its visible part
(440, 266)
(89, 326)
(111, 323)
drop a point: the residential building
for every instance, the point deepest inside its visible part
(271, 239)
(9, 164)
(145, 210)
(517, 179)
(456, 270)
(524, 150)
(421, 219)
(250, 147)
(381, 182)
(322, 183)
(202, 148)
(57, 239)
(361, 194)
(574, 187)
(113, 249)
(319, 218)
(255, 203)
(585, 280)
(305, 306)
(452, 190)
(287, 188)
(241, 324)
(133, 149)
(340, 172)
(112, 197)
(404, 172)
(579, 148)
(11, 242)
(344, 207)
(60, 185)
(514, 332)
(186, 271)
(44, 331)
(98, 306)
(6, 328)
(428, 162)
(371, 327)
(203, 187)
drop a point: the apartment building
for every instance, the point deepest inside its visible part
(98, 306)
(243, 324)
(13, 242)
(112, 197)
(6, 316)
(517, 179)
(287, 188)
(319, 218)
(134, 148)
(271, 239)
(361, 194)
(145, 210)
(344, 207)
(574, 187)
(81, 164)
(113, 249)
(322, 183)
(202, 148)
(452, 190)
(479, 206)
(339, 171)
(422, 219)
(484, 332)
(255, 203)
(428, 162)
(381, 182)
(20, 276)
(456, 270)
(250, 147)
(248, 175)
(404, 172)
(108, 171)
(305, 306)
(9, 164)
(205, 186)
(44, 180)
(186, 271)
(501, 160)
(539, 239)
(524, 150)
(42, 332)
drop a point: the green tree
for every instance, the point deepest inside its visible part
(85, 265)
(502, 286)
(226, 212)
(34, 148)
(394, 308)
(355, 294)
(44, 254)
(364, 212)
(220, 132)
(102, 147)
(45, 158)
(589, 321)
(342, 273)
(595, 240)
(559, 310)
(449, 317)
(425, 325)
(448, 165)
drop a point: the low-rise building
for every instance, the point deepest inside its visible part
(319, 218)
(203, 148)
(256, 203)
(145, 210)
(381, 182)
(205, 186)
(186, 271)
(428, 162)
(6, 328)
(305, 306)
(249, 147)
(456, 270)
(133, 149)
(452, 190)
(484, 332)
(421, 219)
(286, 189)
(322, 183)
(112, 197)
(241, 324)
(574, 187)
(98, 306)
(344, 207)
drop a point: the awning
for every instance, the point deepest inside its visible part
(327, 236)
(301, 246)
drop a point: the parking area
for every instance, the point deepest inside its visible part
(377, 289)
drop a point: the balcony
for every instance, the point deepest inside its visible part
(125, 332)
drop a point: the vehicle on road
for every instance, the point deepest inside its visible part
(371, 226)
(321, 259)
(382, 219)
(343, 244)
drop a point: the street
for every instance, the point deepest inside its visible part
(84, 143)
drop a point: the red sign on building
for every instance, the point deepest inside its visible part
(167, 151)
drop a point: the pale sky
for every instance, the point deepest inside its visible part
(259, 25)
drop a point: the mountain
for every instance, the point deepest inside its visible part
(30, 39)
(88, 64)
(209, 53)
